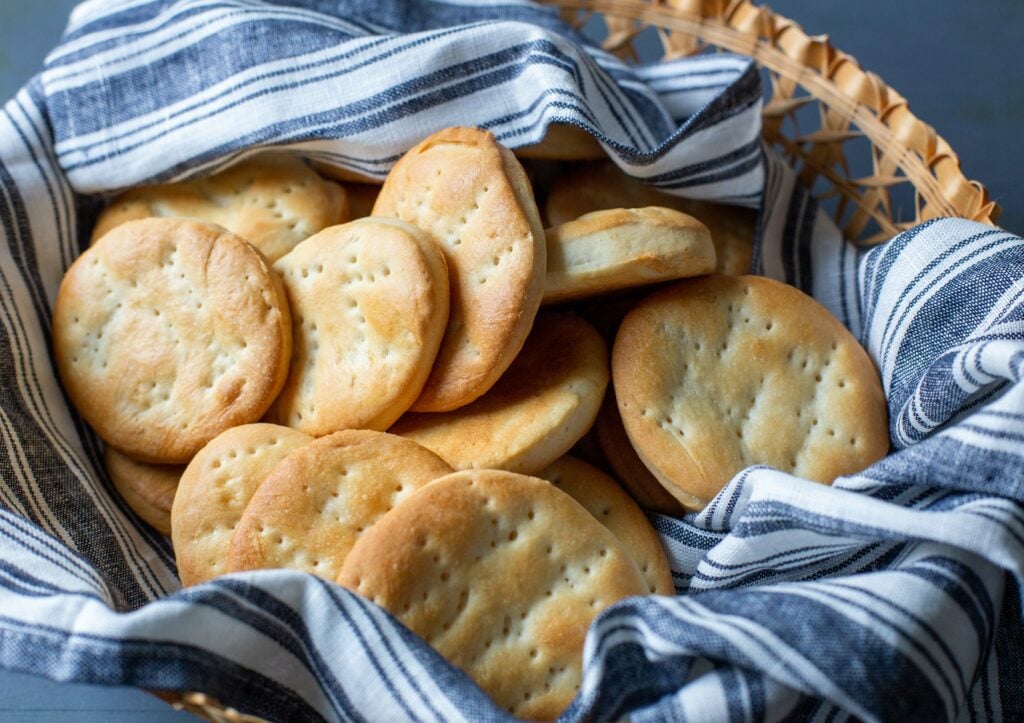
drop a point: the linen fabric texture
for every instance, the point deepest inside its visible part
(895, 594)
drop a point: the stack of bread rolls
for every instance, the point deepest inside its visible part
(421, 393)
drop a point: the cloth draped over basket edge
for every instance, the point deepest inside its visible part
(894, 594)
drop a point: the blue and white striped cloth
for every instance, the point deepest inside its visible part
(892, 595)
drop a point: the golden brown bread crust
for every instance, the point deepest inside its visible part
(719, 373)
(602, 497)
(169, 331)
(593, 186)
(615, 249)
(539, 408)
(473, 197)
(272, 201)
(148, 489)
(314, 505)
(370, 306)
(215, 489)
(628, 467)
(501, 574)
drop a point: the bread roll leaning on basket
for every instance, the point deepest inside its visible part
(857, 113)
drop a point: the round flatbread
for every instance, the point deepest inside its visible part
(618, 451)
(588, 448)
(716, 374)
(536, 412)
(169, 331)
(370, 306)
(605, 251)
(501, 574)
(602, 497)
(591, 187)
(319, 500)
(148, 489)
(473, 197)
(272, 201)
(216, 488)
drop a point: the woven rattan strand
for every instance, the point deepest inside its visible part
(852, 103)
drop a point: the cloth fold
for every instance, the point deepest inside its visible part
(894, 594)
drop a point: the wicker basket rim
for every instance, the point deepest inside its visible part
(907, 149)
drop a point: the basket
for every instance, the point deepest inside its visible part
(861, 123)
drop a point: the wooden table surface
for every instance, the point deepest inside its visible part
(957, 63)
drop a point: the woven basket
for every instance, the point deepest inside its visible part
(860, 123)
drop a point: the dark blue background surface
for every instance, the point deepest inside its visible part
(958, 63)
(960, 66)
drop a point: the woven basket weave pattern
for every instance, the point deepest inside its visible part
(804, 71)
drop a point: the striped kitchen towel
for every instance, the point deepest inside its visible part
(895, 594)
